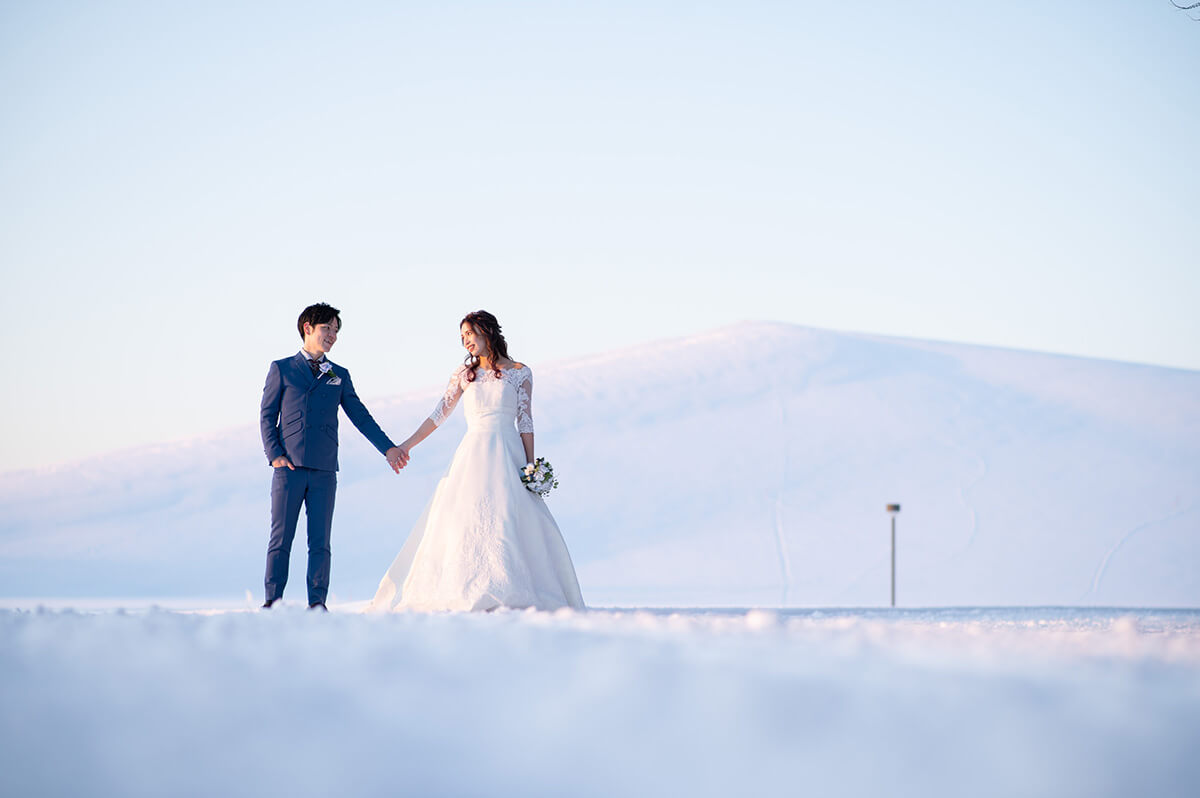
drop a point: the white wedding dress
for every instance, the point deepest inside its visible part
(484, 540)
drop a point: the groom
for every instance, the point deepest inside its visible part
(300, 436)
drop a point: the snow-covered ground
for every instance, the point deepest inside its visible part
(748, 466)
(942, 702)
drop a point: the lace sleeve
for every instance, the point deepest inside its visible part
(450, 398)
(525, 401)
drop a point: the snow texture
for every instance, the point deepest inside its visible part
(930, 703)
(745, 467)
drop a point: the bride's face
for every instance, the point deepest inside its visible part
(473, 341)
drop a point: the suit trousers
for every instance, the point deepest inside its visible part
(314, 489)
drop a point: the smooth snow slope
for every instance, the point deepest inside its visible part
(747, 466)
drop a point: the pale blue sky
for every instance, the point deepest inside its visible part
(177, 180)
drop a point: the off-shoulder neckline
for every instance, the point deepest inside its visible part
(463, 367)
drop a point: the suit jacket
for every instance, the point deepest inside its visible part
(300, 414)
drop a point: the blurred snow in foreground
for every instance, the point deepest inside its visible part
(948, 702)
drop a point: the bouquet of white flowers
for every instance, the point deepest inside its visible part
(538, 476)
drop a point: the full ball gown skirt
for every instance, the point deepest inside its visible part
(484, 540)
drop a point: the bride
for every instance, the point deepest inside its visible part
(484, 540)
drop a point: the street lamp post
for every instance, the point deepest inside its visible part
(893, 509)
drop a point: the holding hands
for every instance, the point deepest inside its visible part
(397, 458)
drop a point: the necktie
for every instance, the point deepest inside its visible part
(316, 367)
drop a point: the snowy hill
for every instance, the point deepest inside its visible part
(747, 466)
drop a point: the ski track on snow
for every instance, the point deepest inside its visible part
(1103, 567)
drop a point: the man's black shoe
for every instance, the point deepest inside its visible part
(318, 605)
(267, 604)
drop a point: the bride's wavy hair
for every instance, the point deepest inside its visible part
(486, 325)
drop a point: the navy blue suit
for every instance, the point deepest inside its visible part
(299, 421)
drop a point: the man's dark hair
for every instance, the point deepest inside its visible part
(319, 313)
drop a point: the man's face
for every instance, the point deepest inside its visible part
(321, 337)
